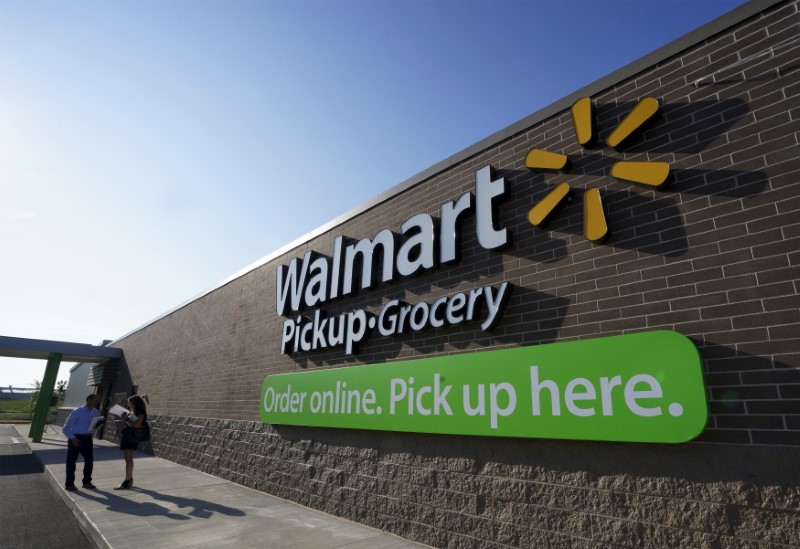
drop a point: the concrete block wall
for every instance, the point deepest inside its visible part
(715, 257)
(62, 414)
(474, 492)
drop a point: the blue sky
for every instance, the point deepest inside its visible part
(148, 150)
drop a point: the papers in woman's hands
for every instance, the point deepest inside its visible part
(118, 410)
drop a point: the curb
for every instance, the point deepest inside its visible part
(85, 523)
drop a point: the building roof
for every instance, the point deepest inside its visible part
(19, 347)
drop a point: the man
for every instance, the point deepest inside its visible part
(78, 430)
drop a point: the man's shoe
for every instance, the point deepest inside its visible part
(89, 486)
(71, 487)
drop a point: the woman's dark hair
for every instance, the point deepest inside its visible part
(138, 404)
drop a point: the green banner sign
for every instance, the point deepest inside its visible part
(645, 387)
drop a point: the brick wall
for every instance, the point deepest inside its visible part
(62, 414)
(715, 257)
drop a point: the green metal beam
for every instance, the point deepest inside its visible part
(45, 394)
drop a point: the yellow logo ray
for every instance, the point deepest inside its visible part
(653, 174)
(544, 160)
(644, 112)
(595, 227)
(540, 214)
(582, 121)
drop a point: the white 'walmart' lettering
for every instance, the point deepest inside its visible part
(316, 278)
(421, 245)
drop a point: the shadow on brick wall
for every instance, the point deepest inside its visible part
(770, 74)
(637, 221)
(652, 220)
(682, 127)
(530, 317)
(731, 183)
(631, 467)
(750, 398)
(651, 223)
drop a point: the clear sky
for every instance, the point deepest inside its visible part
(150, 149)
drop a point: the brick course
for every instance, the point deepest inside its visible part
(715, 257)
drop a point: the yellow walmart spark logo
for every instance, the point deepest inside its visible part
(651, 174)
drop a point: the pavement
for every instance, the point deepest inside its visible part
(31, 513)
(173, 506)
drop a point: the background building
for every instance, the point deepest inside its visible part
(77, 387)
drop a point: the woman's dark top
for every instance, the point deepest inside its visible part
(124, 444)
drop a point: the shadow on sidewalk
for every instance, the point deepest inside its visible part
(118, 504)
(19, 464)
(201, 508)
(58, 454)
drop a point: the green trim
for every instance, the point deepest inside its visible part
(45, 394)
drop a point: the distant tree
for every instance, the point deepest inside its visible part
(61, 387)
(35, 396)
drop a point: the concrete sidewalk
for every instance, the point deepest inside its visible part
(173, 506)
(31, 513)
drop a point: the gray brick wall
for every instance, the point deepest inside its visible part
(715, 257)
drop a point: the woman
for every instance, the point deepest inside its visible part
(133, 420)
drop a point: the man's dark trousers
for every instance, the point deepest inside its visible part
(86, 449)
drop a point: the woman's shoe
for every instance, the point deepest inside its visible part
(125, 484)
